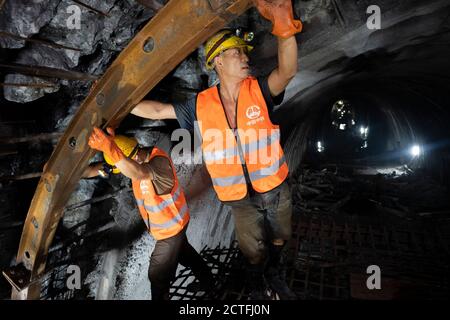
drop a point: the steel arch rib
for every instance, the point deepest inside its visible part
(178, 29)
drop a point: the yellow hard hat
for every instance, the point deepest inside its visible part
(220, 42)
(129, 147)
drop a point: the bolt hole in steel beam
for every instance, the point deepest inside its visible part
(100, 99)
(149, 45)
(35, 223)
(72, 142)
(48, 186)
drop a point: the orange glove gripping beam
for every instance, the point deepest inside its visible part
(281, 14)
(105, 143)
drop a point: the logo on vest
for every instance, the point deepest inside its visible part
(145, 189)
(253, 112)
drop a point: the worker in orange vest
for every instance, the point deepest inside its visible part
(162, 205)
(249, 171)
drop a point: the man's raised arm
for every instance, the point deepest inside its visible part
(280, 77)
(281, 14)
(154, 110)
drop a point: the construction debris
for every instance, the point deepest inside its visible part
(345, 223)
(341, 191)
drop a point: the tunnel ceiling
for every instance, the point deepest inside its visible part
(401, 69)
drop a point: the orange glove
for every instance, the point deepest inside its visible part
(102, 142)
(281, 14)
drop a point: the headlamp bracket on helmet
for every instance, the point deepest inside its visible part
(246, 35)
(106, 170)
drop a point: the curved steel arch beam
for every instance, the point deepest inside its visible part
(178, 29)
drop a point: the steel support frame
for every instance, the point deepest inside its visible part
(178, 29)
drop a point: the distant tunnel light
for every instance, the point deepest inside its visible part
(415, 150)
(320, 147)
(364, 131)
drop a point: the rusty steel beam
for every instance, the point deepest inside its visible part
(46, 72)
(4, 153)
(96, 199)
(39, 41)
(21, 176)
(31, 138)
(177, 30)
(28, 85)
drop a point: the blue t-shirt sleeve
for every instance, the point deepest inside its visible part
(270, 101)
(185, 112)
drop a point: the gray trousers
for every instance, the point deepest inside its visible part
(261, 217)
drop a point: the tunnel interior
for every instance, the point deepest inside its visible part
(364, 126)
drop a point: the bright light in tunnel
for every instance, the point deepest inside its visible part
(364, 132)
(320, 147)
(342, 115)
(415, 151)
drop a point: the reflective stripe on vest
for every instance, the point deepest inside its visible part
(259, 138)
(175, 220)
(164, 204)
(247, 148)
(164, 215)
(228, 181)
(256, 175)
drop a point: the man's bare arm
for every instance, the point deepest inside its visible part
(154, 110)
(92, 170)
(127, 167)
(134, 170)
(287, 65)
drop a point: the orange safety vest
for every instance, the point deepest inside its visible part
(255, 146)
(165, 215)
